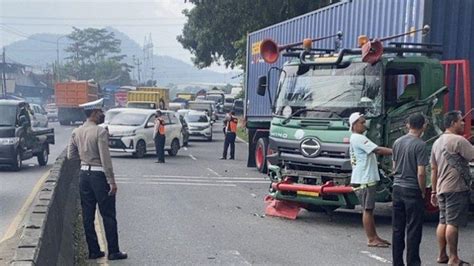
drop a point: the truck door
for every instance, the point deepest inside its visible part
(403, 98)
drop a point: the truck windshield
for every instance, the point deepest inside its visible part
(8, 117)
(338, 91)
(128, 119)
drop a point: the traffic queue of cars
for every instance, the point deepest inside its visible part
(131, 130)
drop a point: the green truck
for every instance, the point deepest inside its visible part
(308, 153)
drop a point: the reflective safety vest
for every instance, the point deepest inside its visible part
(161, 126)
(232, 124)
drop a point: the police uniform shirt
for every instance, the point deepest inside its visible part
(89, 143)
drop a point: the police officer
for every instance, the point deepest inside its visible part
(159, 137)
(89, 144)
(230, 131)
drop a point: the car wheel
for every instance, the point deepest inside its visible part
(43, 157)
(18, 162)
(174, 148)
(140, 149)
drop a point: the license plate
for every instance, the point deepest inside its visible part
(307, 193)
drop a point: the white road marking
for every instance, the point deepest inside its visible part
(194, 177)
(99, 228)
(192, 157)
(375, 257)
(212, 171)
(176, 183)
(185, 148)
(11, 230)
(215, 180)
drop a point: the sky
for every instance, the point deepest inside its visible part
(163, 19)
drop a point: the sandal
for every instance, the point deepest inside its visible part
(378, 245)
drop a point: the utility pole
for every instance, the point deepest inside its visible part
(137, 62)
(4, 79)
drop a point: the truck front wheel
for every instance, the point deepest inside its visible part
(261, 155)
(43, 156)
(18, 162)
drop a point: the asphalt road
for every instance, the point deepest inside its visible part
(196, 209)
(16, 187)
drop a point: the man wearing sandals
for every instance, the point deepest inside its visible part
(410, 157)
(365, 175)
(450, 178)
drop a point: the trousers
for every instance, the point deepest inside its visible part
(94, 190)
(229, 141)
(160, 147)
(407, 215)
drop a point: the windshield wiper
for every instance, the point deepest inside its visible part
(322, 110)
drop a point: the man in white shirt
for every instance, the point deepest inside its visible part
(365, 175)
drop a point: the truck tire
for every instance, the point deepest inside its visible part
(140, 149)
(43, 156)
(16, 166)
(261, 155)
(174, 148)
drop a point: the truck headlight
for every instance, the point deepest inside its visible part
(9, 141)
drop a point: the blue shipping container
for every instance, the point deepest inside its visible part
(451, 25)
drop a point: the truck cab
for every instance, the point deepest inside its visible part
(309, 133)
(19, 141)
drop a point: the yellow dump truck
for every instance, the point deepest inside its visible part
(186, 95)
(149, 98)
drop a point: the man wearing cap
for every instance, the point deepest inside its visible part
(230, 131)
(365, 175)
(89, 144)
(159, 137)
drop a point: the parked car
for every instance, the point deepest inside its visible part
(199, 124)
(206, 106)
(184, 130)
(18, 140)
(39, 116)
(131, 131)
(228, 103)
(238, 107)
(52, 111)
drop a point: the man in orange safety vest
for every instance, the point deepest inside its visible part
(230, 130)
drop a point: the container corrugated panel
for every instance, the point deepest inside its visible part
(453, 26)
(71, 94)
(374, 18)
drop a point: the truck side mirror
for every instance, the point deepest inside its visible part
(262, 85)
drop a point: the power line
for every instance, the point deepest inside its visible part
(94, 24)
(94, 18)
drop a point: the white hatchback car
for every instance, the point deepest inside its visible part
(199, 124)
(131, 131)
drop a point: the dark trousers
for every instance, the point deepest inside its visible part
(229, 140)
(95, 190)
(407, 213)
(160, 147)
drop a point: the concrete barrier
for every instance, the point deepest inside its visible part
(47, 237)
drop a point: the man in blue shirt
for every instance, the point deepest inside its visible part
(365, 175)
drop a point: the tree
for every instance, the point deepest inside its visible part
(95, 54)
(216, 30)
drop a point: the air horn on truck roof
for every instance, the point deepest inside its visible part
(373, 50)
(270, 50)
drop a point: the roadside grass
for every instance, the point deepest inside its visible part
(242, 131)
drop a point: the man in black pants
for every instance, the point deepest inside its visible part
(410, 157)
(89, 144)
(230, 131)
(159, 137)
